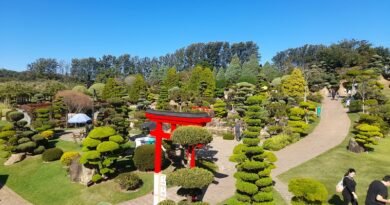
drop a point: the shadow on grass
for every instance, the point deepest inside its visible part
(3, 180)
(336, 200)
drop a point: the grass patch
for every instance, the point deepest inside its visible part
(277, 199)
(48, 183)
(331, 166)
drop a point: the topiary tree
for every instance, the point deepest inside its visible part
(294, 85)
(366, 134)
(307, 191)
(101, 149)
(190, 136)
(296, 117)
(59, 111)
(243, 91)
(191, 181)
(136, 88)
(254, 183)
(96, 90)
(113, 89)
(220, 109)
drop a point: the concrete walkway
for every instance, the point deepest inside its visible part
(9, 197)
(223, 187)
(330, 132)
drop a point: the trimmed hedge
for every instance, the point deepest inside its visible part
(107, 146)
(52, 154)
(129, 181)
(228, 136)
(101, 132)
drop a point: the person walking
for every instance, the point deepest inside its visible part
(377, 192)
(349, 191)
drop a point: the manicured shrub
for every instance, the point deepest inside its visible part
(277, 142)
(90, 157)
(89, 142)
(356, 106)
(228, 136)
(15, 116)
(246, 187)
(167, 202)
(28, 134)
(128, 181)
(39, 150)
(307, 191)
(67, 157)
(191, 135)
(52, 154)
(7, 134)
(220, 108)
(21, 123)
(37, 138)
(107, 146)
(48, 134)
(101, 132)
(245, 176)
(366, 135)
(4, 154)
(144, 157)
(26, 147)
(116, 138)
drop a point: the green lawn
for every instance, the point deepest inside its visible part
(48, 183)
(330, 167)
(277, 198)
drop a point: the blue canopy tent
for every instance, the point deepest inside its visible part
(79, 118)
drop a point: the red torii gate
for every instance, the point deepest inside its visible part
(174, 119)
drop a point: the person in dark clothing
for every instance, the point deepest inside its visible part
(377, 192)
(349, 191)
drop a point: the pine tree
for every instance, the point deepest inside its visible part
(138, 87)
(162, 103)
(233, 71)
(243, 91)
(171, 78)
(254, 184)
(112, 89)
(220, 79)
(250, 70)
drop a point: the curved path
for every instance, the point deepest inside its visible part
(330, 132)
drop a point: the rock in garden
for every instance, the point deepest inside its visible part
(75, 170)
(353, 146)
(15, 158)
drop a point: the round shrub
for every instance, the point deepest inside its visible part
(29, 133)
(107, 146)
(89, 142)
(81, 89)
(15, 116)
(37, 138)
(52, 154)
(42, 110)
(308, 191)
(101, 132)
(89, 156)
(191, 135)
(21, 123)
(144, 157)
(167, 202)
(47, 134)
(116, 138)
(4, 154)
(39, 150)
(67, 157)
(129, 181)
(23, 140)
(246, 187)
(228, 136)
(7, 134)
(26, 147)
(98, 88)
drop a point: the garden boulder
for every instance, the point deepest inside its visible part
(15, 158)
(353, 146)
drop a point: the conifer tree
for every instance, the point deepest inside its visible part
(233, 71)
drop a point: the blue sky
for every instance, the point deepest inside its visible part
(65, 29)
